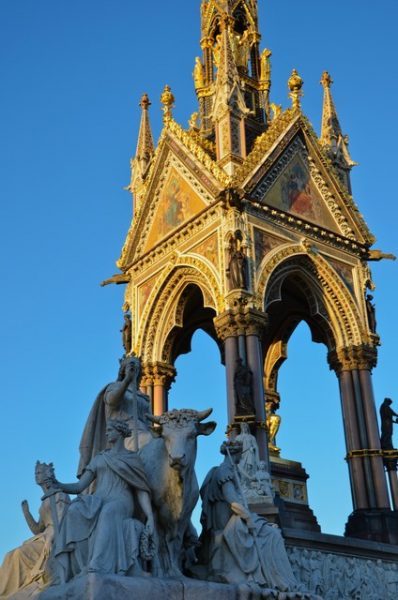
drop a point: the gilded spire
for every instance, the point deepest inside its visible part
(227, 73)
(332, 138)
(145, 146)
(229, 108)
(228, 93)
(144, 152)
(331, 130)
(230, 42)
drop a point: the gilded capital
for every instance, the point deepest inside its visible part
(351, 358)
(163, 374)
(158, 374)
(240, 321)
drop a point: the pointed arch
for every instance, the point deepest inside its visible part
(165, 307)
(330, 304)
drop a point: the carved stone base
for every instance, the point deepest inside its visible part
(376, 525)
(289, 479)
(112, 587)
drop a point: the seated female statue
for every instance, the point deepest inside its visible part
(98, 532)
(24, 569)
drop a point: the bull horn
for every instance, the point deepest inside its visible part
(153, 418)
(203, 414)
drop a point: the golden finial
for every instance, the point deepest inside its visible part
(145, 103)
(295, 84)
(326, 80)
(167, 99)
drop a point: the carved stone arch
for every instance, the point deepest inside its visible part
(241, 10)
(329, 297)
(174, 317)
(296, 285)
(166, 309)
(214, 24)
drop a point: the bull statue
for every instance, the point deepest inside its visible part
(169, 461)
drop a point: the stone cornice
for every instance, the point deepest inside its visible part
(287, 220)
(174, 239)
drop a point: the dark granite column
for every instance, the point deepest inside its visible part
(256, 364)
(241, 331)
(355, 463)
(372, 518)
(227, 332)
(365, 378)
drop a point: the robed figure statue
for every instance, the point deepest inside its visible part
(123, 400)
(24, 571)
(104, 532)
(238, 546)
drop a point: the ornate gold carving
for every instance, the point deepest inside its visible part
(276, 110)
(262, 145)
(180, 236)
(158, 373)
(273, 425)
(295, 84)
(155, 326)
(198, 75)
(265, 68)
(297, 148)
(167, 99)
(163, 374)
(287, 221)
(284, 127)
(330, 200)
(351, 358)
(140, 228)
(240, 321)
(345, 321)
(334, 176)
(202, 155)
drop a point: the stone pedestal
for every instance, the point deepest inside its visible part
(378, 525)
(112, 587)
(289, 479)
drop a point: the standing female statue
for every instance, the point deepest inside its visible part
(24, 569)
(237, 265)
(250, 458)
(98, 532)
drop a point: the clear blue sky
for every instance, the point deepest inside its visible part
(71, 76)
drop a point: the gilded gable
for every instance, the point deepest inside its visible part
(177, 203)
(289, 187)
